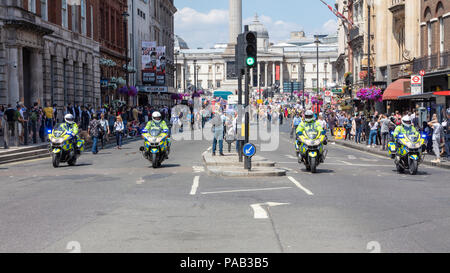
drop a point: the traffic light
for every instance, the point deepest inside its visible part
(251, 49)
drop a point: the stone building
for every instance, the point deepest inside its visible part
(113, 38)
(49, 53)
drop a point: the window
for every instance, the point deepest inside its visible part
(430, 37)
(441, 39)
(75, 18)
(32, 6)
(83, 17)
(314, 67)
(64, 16)
(314, 83)
(44, 10)
(210, 84)
(92, 22)
(75, 84)
(217, 84)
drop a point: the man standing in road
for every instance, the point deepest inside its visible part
(446, 126)
(94, 132)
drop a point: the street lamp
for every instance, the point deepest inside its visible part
(177, 52)
(125, 15)
(369, 4)
(317, 42)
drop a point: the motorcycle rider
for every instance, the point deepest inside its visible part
(71, 126)
(157, 122)
(309, 123)
(406, 127)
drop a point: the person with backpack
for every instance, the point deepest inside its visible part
(94, 131)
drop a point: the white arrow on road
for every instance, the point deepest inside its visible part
(260, 213)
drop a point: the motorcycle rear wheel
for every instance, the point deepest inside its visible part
(72, 161)
(399, 168)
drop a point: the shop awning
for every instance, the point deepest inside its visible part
(401, 87)
(427, 95)
(442, 93)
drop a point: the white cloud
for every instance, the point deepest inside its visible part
(278, 30)
(206, 29)
(330, 27)
(202, 29)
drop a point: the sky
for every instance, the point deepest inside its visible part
(203, 23)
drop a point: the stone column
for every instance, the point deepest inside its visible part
(258, 75)
(37, 77)
(273, 73)
(235, 20)
(266, 84)
(13, 75)
(214, 75)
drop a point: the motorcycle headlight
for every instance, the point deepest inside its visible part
(57, 140)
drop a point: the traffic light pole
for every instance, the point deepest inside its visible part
(239, 141)
(247, 162)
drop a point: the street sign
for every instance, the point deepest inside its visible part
(327, 93)
(249, 150)
(416, 79)
(422, 73)
(416, 84)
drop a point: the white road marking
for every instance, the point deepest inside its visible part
(291, 156)
(260, 213)
(346, 163)
(368, 160)
(246, 190)
(195, 185)
(198, 169)
(140, 181)
(351, 157)
(300, 185)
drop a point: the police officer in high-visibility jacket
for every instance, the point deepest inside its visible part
(309, 123)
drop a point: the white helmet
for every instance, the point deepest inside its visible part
(406, 121)
(156, 117)
(309, 116)
(69, 118)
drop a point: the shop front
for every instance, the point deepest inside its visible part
(156, 96)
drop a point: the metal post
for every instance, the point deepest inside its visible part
(368, 47)
(303, 83)
(239, 133)
(247, 163)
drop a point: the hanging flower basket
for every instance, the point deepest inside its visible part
(372, 94)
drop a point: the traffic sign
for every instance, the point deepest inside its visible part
(249, 150)
(422, 73)
(327, 93)
(416, 80)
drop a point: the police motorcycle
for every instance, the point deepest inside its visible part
(64, 145)
(310, 147)
(407, 151)
(156, 145)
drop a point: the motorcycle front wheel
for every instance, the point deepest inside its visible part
(56, 158)
(413, 166)
(313, 164)
(154, 160)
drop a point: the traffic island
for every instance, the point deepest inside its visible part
(229, 165)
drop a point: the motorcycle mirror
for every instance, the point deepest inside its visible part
(141, 149)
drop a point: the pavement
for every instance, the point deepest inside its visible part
(116, 202)
(378, 151)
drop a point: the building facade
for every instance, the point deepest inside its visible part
(277, 64)
(49, 52)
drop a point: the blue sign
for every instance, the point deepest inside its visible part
(249, 150)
